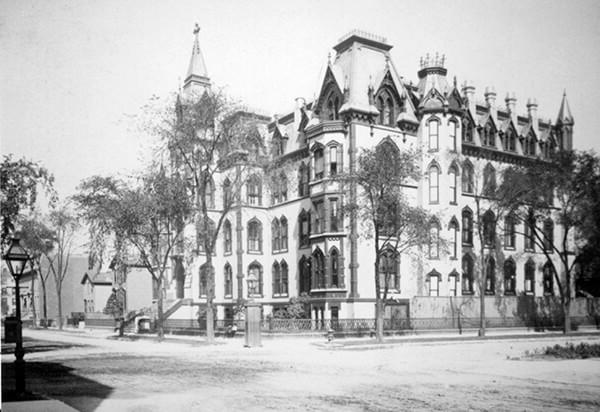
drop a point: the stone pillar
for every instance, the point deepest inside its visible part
(353, 219)
(252, 325)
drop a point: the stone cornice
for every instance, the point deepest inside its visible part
(331, 126)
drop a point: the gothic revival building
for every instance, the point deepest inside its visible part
(292, 237)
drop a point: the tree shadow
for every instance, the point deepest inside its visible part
(55, 381)
(540, 313)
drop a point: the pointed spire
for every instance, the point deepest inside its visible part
(564, 113)
(197, 73)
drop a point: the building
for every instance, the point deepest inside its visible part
(293, 238)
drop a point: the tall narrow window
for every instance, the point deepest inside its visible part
(453, 127)
(284, 233)
(529, 235)
(548, 279)
(434, 184)
(303, 173)
(453, 283)
(283, 282)
(530, 277)
(204, 274)
(489, 180)
(275, 235)
(255, 280)
(304, 267)
(254, 191)
(227, 195)
(453, 238)
(318, 158)
(434, 240)
(489, 228)
(319, 217)
(453, 172)
(209, 194)
(228, 277)
(467, 227)
(335, 275)
(433, 134)
(509, 232)
(254, 236)
(333, 160)
(276, 276)
(510, 281)
(468, 184)
(433, 278)
(334, 217)
(389, 112)
(467, 132)
(282, 187)
(467, 277)
(227, 236)
(319, 268)
(381, 109)
(548, 235)
(388, 270)
(490, 276)
(304, 223)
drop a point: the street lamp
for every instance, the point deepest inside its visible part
(16, 259)
(252, 282)
(253, 312)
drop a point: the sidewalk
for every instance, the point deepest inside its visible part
(37, 406)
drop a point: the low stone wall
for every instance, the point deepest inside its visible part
(99, 320)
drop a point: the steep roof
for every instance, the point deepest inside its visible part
(564, 113)
(197, 72)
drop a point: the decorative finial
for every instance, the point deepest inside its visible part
(329, 57)
(387, 61)
(454, 81)
(196, 29)
(443, 59)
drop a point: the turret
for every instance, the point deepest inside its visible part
(564, 125)
(197, 79)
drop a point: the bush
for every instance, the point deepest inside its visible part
(570, 351)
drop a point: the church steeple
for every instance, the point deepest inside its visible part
(197, 75)
(564, 125)
(564, 113)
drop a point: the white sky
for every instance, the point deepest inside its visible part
(72, 71)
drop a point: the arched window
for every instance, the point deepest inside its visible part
(254, 236)
(452, 132)
(335, 160)
(305, 274)
(303, 173)
(205, 237)
(467, 277)
(254, 190)
(334, 215)
(319, 269)
(332, 106)
(548, 235)
(276, 278)
(510, 141)
(275, 235)
(434, 240)
(530, 277)
(433, 128)
(284, 232)
(227, 195)
(510, 238)
(490, 276)
(467, 227)
(205, 272)
(334, 258)
(209, 194)
(389, 277)
(468, 182)
(530, 144)
(529, 235)
(227, 243)
(548, 272)
(453, 227)
(467, 131)
(453, 283)
(510, 278)
(434, 184)
(318, 162)
(255, 280)
(433, 281)
(228, 279)
(489, 180)
(489, 228)
(381, 109)
(488, 135)
(453, 172)
(280, 279)
(304, 225)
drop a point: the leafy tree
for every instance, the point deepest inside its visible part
(210, 139)
(556, 189)
(382, 205)
(142, 219)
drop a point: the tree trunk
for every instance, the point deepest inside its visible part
(159, 307)
(482, 284)
(60, 313)
(33, 300)
(44, 305)
(567, 314)
(210, 315)
(379, 311)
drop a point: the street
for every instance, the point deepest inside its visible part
(92, 373)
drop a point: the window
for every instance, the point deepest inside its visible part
(335, 157)
(334, 257)
(209, 194)
(333, 107)
(284, 233)
(303, 173)
(490, 276)
(433, 279)
(304, 224)
(433, 134)
(254, 236)
(385, 106)
(529, 277)
(204, 274)
(227, 236)
(529, 235)
(319, 217)
(453, 238)
(453, 127)
(453, 283)
(434, 240)
(228, 278)
(489, 228)
(467, 131)
(282, 187)
(389, 263)
(510, 141)
(305, 274)
(254, 191)
(467, 227)
(488, 136)
(202, 237)
(453, 172)
(467, 277)
(275, 235)
(468, 185)
(510, 281)
(318, 159)
(319, 269)
(280, 279)
(548, 272)
(434, 183)
(529, 148)
(509, 232)
(548, 235)
(334, 217)
(227, 195)
(489, 180)
(255, 280)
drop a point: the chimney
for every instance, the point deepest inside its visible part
(490, 96)
(511, 103)
(532, 108)
(468, 91)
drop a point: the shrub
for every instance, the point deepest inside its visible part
(570, 351)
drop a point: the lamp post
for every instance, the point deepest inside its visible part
(16, 259)
(253, 315)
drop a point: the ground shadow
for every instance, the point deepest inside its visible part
(55, 381)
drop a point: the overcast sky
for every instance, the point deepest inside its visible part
(72, 72)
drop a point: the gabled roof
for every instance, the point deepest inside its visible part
(433, 100)
(100, 278)
(527, 129)
(485, 118)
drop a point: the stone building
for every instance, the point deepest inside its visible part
(293, 238)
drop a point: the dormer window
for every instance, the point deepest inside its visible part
(387, 108)
(488, 136)
(467, 132)
(529, 147)
(510, 141)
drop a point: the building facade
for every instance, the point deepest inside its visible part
(292, 236)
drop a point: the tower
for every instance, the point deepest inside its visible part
(196, 79)
(564, 125)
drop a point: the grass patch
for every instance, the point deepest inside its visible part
(571, 351)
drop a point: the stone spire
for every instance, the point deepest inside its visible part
(197, 75)
(564, 113)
